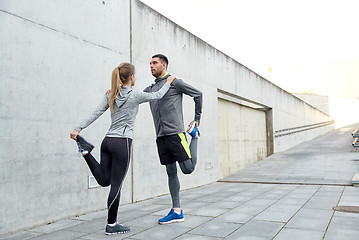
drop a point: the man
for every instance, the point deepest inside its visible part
(171, 141)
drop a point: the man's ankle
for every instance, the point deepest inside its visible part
(177, 210)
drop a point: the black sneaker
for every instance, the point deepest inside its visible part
(84, 146)
(117, 229)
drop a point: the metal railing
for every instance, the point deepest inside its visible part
(293, 130)
(355, 135)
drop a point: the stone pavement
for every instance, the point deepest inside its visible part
(289, 195)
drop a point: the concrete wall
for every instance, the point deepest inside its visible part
(317, 101)
(56, 63)
(209, 69)
(343, 110)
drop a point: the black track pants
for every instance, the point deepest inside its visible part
(115, 159)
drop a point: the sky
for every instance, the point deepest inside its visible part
(282, 34)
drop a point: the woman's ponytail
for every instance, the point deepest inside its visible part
(120, 76)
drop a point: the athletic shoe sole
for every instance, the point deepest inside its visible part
(115, 233)
(172, 221)
(85, 145)
(191, 127)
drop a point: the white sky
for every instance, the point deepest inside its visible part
(283, 34)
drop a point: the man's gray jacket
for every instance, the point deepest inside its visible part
(167, 111)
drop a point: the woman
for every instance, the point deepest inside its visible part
(115, 148)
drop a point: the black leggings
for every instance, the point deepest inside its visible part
(115, 159)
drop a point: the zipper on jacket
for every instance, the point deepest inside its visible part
(161, 122)
(124, 130)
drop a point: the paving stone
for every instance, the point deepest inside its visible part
(292, 201)
(297, 234)
(210, 199)
(88, 226)
(273, 196)
(346, 214)
(234, 217)
(295, 195)
(328, 194)
(347, 203)
(147, 221)
(225, 204)
(209, 211)
(56, 226)
(238, 198)
(306, 190)
(337, 189)
(225, 193)
(322, 202)
(278, 213)
(251, 193)
(160, 232)
(190, 195)
(341, 234)
(235, 237)
(20, 235)
(91, 216)
(215, 229)
(132, 214)
(250, 209)
(193, 221)
(261, 201)
(100, 235)
(61, 235)
(351, 223)
(189, 236)
(311, 219)
(153, 208)
(194, 204)
(352, 191)
(350, 199)
(263, 229)
(281, 192)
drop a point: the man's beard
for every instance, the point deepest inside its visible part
(156, 75)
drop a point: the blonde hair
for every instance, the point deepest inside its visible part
(120, 75)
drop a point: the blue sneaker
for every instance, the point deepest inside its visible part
(172, 217)
(193, 130)
(84, 146)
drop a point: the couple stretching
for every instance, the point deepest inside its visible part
(165, 97)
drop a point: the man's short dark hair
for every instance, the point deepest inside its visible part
(162, 57)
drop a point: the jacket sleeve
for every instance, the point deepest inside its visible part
(101, 108)
(147, 89)
(149, 96)
(187, 89)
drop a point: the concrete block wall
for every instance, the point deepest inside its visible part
(56, 64)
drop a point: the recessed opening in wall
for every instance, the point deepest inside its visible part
(245, 132)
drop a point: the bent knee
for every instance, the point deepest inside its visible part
(104, 183)
(187, 169)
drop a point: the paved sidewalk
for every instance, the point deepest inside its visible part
(287, 196)
(329, 159)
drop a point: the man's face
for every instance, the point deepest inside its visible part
(158, 68)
